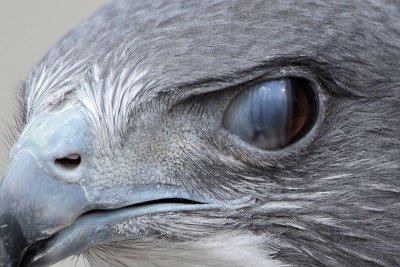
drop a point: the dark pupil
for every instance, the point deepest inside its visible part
(302, 110)
(271, 113)
(282, 112)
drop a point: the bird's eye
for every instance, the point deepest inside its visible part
(273, 114)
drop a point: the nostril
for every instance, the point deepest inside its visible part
(70, 162)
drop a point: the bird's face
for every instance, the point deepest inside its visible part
(258, 132)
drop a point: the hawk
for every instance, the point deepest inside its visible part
(211, 133)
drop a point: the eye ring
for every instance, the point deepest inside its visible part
(274, 114)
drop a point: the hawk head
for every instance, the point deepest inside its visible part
(212, 133)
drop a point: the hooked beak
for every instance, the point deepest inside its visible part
(38, 197)
(49, 212)
(33, 207)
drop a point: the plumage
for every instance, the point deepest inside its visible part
(153, 79)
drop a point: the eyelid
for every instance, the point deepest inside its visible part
(275, 67)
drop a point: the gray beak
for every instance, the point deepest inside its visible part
(38, 196)
(26, 216)
(50, 187)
